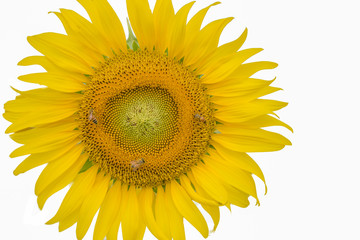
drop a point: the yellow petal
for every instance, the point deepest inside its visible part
(142, 22)
(55, 81)
(260, 122)
(63, 52)
(75, 196)
(91, 204)
(43, 134)
(175, 218)
(245, 111)
(140, 231)
(211, 184)
(251, 140)
(146, 200)
(231, 47)
(47, 95)
(187, 208)
(237, 87)
(248, 69)
(43, 61)
(108, 211)
(216, 71)
(178, 29)
(68, 221)
(114, 228)
(214, 212)
(193, 27)
(205, 42)
(55, 168)
(231, 175)
(238, 197)
(36, 118)
(38, 147)
(161, 216)
(37, 159)
(239, 159)
(130, 222)
(186, 184)
(224, 100)
(110, 26)
(62, 181)
(163, 20)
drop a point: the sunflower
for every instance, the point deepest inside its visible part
(145, 129)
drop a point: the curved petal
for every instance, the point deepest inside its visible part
(204, 43)
(178, 29)
(56, 168)
(161, 215)
(214, 212)
(146, 200)
(175, 218)
(49, 145)
(251, 140)
(62, 181)
(237, 113)
(131, 220)
(110, 26)
(91, 204)
(75, 196)
(239, 159)
(211, 185)
(186, 184)
(82, 31)
(64, 52)
(37, 159)
(231, 175)
(163, 21)
(187, 208)
(142, 21)
(108, 211)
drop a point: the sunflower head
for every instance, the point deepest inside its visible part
(143, 127)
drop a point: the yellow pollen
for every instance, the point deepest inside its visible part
(145, 119)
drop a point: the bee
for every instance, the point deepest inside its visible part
(136, 164)
(92, 116)
(201, 118)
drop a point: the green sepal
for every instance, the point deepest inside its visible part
(132, 42)
(88, 164)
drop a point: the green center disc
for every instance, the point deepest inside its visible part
(141, 119)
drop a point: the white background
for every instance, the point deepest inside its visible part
(313, 185)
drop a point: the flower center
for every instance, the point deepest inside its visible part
(145, 119)
(142, 119)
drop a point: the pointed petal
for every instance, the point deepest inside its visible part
(214, 212)
(163, 21)
(108, 211)
(146, 200)
(187, 208)
(251, 140)
(130, 222)
(62, 181)
(142, 22)
(211, 185)
(186, 184)
(161, 215)
(175, 218)
(91, 204)
(110, 26)
(37, 159)
(56, 168)
(75, 196)
(178, 30)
